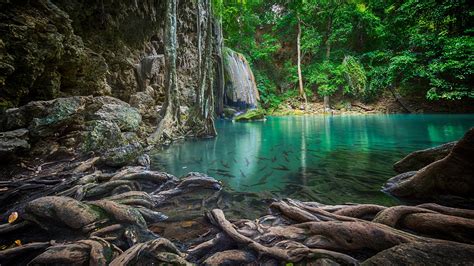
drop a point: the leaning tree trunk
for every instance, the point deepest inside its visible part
(170, 114)
(219, 44)
(201, 119)
(300, 76)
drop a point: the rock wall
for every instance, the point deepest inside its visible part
(75, 74)
(59, 48)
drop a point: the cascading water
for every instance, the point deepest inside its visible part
(240, 89)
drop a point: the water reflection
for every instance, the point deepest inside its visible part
(332, 159)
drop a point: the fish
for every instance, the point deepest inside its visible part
(286, 159)
(265, 177)
(233, 159)
(263, 168)
(274, 159)
(218, 170)
(213, 162)
(227, 175)
(247, 161)
(242, 173)
(224, 164)
(281, 168)
(259, 184)
(262, 158)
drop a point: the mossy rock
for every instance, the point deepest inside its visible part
(229, 112)
(251, 115)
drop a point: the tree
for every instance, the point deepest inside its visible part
(170, 113)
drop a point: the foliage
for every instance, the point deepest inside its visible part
(356, 48)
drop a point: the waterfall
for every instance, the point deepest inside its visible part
(240, 89)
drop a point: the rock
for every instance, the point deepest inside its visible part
(442, 253)
(14, 141)
(150, 70)
(419, 159)
(144, 102)
(144, 160)
(101, 135)
(229, 112)
(122, 156)
(42, 56)
(251, 115)
(56, 115)
(127, 118)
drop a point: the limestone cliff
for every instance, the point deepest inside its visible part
(58, 48)
(56, 54)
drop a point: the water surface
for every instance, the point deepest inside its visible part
(330, 159)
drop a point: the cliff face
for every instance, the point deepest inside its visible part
(56, 54)
(58, 48)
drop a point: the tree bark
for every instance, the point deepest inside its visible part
(201, 119)
(170, 112)
(219, 66)
(300, 76)
(327, 104)
(450, 176)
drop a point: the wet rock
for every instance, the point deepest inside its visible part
(419, 159)
(14, 141)
(229, 112)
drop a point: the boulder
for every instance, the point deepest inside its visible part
(127, 118)
(144, 103)
(101, 135)
(14, 141)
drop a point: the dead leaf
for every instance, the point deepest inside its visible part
(187, 224)
(13, 216)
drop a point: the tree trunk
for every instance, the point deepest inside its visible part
(219, 66)
(170, 113)
(450, 176)
(300, 76)
(327, 103)
(201, 119)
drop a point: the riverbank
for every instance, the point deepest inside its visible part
(387, 104)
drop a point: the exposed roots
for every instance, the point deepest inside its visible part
(119, 218)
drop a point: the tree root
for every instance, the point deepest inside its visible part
(103, 218)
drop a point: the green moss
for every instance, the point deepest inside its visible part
(251, 115)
